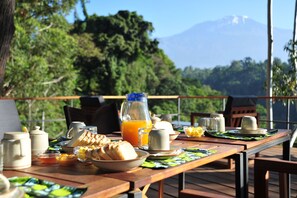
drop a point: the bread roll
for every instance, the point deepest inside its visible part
(125, 151)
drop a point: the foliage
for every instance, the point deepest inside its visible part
(42, 56)
(124, 43)
(284, 75)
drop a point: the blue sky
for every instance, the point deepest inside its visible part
(170, 17)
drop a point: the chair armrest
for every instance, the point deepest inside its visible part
(277, 165)
(198, 114)
(262, 166)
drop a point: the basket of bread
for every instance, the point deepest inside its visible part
(106, 154)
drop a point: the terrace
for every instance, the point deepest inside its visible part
(212, 177)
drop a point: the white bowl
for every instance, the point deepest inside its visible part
(122, 165)
(173, 136)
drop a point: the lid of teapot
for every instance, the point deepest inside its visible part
(37, 131)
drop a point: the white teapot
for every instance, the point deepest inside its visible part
(39, 141)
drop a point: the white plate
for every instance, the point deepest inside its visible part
(121, 165)
(164, 154)
(258, 132)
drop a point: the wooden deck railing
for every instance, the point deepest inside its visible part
(286, 100)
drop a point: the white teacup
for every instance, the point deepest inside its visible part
(249, 123)
(74, 128)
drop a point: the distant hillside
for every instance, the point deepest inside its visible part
(213, 43)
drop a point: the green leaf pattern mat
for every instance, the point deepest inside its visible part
(188, 155)
(34, 187)
(229, 135)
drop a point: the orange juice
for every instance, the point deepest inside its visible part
(130, 130)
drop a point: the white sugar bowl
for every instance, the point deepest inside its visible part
(39, 142)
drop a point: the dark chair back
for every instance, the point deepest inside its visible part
(74, 114)
(107, 119)
(91, 103)
(238, 107)
(9, 117)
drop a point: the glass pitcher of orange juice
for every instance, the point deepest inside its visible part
(134, 115)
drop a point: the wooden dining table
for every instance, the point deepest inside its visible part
(282, 136)
(101, 183)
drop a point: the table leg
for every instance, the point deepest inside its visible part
(161, 189)
(246, 173)
(239, 175)
(181, 181)
(285, 179)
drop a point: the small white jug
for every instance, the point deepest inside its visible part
(74, 128)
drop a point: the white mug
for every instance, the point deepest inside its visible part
(249, 123)
(74, 128)
(158, 140)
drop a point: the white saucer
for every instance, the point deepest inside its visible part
(247, 133)
(259, 131)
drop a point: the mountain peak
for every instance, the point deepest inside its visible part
(234, 20)
(226, 39)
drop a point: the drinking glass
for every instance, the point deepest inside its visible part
(143, 134)
(204, 123)
(214, 124)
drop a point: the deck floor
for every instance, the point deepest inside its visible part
(215, 177)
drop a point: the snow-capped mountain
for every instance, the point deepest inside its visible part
(219, 42)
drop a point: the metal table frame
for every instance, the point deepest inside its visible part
(241, 164)
(242, 160)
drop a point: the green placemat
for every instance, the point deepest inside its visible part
(188, 155)
(34, 187)
(231, 134)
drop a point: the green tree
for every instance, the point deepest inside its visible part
(284, 75)
(42, 56)
(123, 39)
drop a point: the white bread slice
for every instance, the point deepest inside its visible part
(103, 155)
(109, 150)
(95, 154)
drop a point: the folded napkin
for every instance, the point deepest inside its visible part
(34, 187)
(189, 154)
